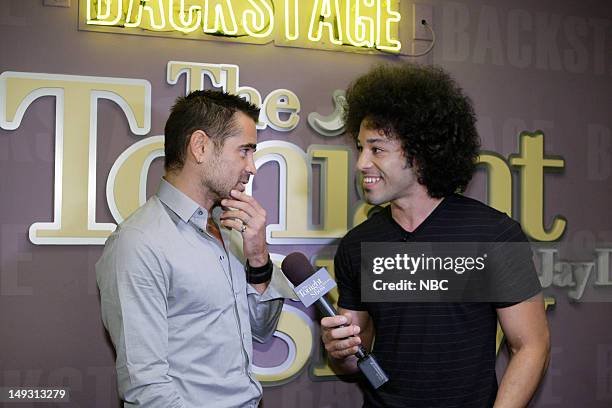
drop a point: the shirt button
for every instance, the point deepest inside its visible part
(200, 213)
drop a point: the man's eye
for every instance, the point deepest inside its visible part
(376, 150)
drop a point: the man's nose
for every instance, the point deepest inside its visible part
(251, 169)
(363, 161)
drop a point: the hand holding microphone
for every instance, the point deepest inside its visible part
(311, 287)
(340, 336)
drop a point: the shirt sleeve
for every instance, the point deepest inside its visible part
(348, 278)
(515, 276)
(133, 291)
(265, 308)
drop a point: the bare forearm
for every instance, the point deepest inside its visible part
(526, 369)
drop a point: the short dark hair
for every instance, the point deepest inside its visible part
(428, 113)
(210, 111)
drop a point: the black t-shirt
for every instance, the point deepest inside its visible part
(436, 354)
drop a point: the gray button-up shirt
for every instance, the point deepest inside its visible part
(179, 310)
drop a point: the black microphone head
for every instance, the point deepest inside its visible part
(297, 268)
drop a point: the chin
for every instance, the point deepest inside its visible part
(373, 200)
(225, 194)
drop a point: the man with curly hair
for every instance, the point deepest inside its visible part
(415, 131)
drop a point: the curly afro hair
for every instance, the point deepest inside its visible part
(428, 113)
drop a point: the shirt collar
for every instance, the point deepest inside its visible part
(179, 202)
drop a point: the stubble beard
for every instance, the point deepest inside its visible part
(213, 181)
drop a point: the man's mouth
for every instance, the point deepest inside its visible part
(242, 185)
(371, 180)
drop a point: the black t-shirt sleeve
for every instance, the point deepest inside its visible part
(514, 277)
(348, 279)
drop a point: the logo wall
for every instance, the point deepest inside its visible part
(75, 175)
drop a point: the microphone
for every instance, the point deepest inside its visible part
(311, 287)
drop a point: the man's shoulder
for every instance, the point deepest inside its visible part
(469, 214)
(371, 229)
(148, 222)
(463, 205)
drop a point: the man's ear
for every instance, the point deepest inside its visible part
(199, 143)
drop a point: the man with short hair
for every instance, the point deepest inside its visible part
(418, 145)
(178, 304)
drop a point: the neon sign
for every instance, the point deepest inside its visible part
(346, 25)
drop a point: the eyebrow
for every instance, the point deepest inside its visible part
(249, 146)
(375, 140)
